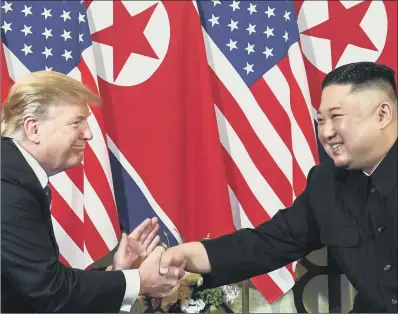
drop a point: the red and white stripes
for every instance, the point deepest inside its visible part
(269, 143)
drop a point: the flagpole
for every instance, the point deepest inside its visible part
(245, 296)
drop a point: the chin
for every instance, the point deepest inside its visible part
(75, 162)
(341, 162)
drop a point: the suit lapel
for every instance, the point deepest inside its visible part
(16, 170)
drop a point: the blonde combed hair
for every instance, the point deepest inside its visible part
(33, 94)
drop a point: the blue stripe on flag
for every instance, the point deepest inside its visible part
(131, 203)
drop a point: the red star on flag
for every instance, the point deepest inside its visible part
(343, 28)
(126, 35)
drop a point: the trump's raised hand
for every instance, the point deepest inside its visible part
(134, 248)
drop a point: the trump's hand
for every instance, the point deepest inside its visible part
(134, 248)
(152, 283)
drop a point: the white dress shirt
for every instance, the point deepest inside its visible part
(132, 276)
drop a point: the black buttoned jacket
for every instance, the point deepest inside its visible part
(344, 210)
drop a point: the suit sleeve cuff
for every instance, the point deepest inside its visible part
(132, 289)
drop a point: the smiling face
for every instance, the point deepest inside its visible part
(350, 126)
(61, 137)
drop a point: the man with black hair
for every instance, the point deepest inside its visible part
(349, 204)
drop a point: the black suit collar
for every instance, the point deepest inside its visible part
(384, 177)
(16, 170)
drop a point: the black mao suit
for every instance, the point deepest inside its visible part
(353, 214)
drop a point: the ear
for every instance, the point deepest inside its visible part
(31, 128)
(384, 114)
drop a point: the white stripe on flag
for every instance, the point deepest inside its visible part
(99, 147)
(15, 68)
(75, 74)
(282, 277)
(69, 192)
(88, 57)
(238, 214)
(89, 260)
(300, 75)
(247, 102)
(280, 88)
(256, 182)
(68, 248)
(98, 215)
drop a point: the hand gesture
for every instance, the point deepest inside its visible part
(153, 284)
(134, 248)
(174, 256)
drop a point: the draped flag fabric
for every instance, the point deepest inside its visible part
(208, 105)
(51, 35)
(200, 115)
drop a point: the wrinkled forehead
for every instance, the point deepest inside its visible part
(68, 109)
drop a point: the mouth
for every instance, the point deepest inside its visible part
(336, 147)
(79, 147)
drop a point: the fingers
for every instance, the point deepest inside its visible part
(173, 276)
(119, 259)
(150, 237)
(137, 232)
(176, 272)
(154, 220)
(164, 264)
(156, 254)
(172, 257)
(144, 232)
(153, 244)
(123, 242)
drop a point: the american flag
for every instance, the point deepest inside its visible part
(264, 112)
(54, 35)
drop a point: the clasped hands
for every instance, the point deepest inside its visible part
(140, 250)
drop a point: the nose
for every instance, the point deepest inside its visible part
(327, 130)
(87, 134)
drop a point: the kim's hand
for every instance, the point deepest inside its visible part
(134, 248)
(172, 257)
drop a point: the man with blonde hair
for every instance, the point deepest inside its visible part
(44, 131)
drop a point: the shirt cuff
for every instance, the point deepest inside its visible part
(132, 289)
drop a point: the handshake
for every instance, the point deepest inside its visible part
(159, 273)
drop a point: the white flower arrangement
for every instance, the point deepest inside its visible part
(189, 296)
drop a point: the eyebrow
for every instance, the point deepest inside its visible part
(82, 117)
(331, 109)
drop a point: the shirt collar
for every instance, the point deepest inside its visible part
(34, 164)
(384, 177)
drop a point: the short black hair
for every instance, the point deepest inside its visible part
(362, 75)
